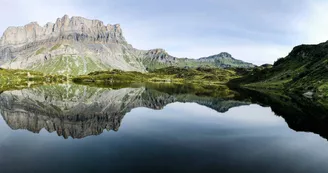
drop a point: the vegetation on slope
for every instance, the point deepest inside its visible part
(41, 50)
(159, 58)
(305, 69)
(18, 79)
(68, 65)
(169, 74)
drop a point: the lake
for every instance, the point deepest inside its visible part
(159, 128)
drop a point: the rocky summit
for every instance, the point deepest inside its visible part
(77, 46)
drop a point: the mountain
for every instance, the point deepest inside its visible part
(304, 70)
(78, 46)
(69, 46)
(158, 58)
(224, 59)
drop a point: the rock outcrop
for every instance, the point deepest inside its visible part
(65, 28)
(78, 46)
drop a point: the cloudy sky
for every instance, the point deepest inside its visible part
(257, 31)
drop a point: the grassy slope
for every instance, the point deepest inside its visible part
(211, 62)
(182, 63)
(69, 65)
(169, 74)
(304, 69)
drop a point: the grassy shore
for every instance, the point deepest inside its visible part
(18, 79)
(167, 75)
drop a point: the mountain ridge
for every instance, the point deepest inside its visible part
(78, 46)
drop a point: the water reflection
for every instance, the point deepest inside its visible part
(300, 113)
(79, 111)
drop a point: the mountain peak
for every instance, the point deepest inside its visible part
(224, 54)
(225, 59)
(219, 56)
(75, 28)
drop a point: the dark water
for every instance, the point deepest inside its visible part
(70, 128)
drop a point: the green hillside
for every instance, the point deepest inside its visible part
(161, 59)
(68, 65)
(169, 74)
(305, 69)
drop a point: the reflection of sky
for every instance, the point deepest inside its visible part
(244, 114)
(180, 137)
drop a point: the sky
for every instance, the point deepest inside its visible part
(255, 31)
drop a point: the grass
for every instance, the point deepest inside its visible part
(168, 75)
(41, 50)
(55, 47)
(18, 79)
(304, 70)
(68, 65)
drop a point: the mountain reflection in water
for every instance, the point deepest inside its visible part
(79, 111)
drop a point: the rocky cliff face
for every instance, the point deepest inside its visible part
(65, 28)
(69, 46)
(79, 46)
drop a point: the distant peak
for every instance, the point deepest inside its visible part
(65, 16)
(157, 51)
(32, 24)
(220, 55)
(225, 54)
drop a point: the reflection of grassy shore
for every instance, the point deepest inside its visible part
(216, 91)
(212, 90)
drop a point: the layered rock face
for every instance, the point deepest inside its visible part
(75, 28)
(76, 46)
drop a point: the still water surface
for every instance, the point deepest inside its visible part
(69, 128)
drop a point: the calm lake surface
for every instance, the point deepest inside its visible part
(71, 128)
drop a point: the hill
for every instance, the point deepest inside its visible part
(304, 70)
